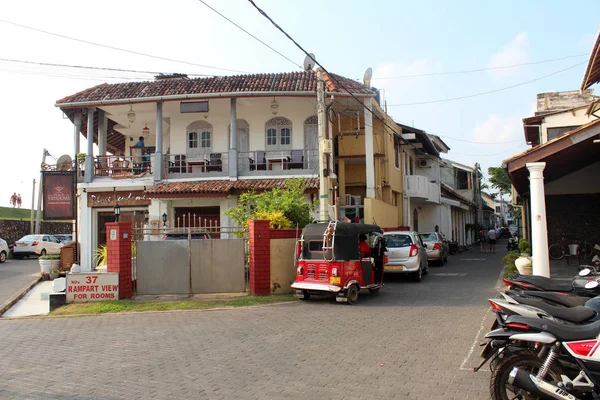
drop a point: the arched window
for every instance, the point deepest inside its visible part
(278, 134)
(199, 137)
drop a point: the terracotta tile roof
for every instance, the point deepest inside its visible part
(164, 189)
(305, 81)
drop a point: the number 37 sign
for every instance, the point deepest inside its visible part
(92, 287)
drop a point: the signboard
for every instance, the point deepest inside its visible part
(92, 287)
(107, 199)
(58, 195)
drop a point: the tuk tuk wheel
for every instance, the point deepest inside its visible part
(352, 294)
(306, 294)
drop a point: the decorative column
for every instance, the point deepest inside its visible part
(370, 162)
(102, 138)
(89, 160)
(158, 159)
(232, 159)
(118, 246)
(539, 228)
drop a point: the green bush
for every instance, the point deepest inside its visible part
(524, 247)
(50, 257)
(509, 263)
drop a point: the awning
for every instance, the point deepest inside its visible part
(566, 154)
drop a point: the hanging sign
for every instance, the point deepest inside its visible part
(58, 195)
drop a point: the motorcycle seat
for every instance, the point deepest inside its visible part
(576, 315)
(547, 284)
(563, 332)
(567, 300)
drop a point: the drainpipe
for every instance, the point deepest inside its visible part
(539, 228)
(158, 159)
(89, 160)
(232, 162)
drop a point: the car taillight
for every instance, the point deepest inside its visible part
(436, 246)
(495, 306)
(334, 272)
(35, 243)
(299, 270)
(414, 250)
(386, 259)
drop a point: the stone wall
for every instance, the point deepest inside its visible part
(574, 216)
(11, 230)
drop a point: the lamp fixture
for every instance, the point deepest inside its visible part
(146, 216)
(274, 106)
(131, 115)
(146, 131)
(164, 218)
(117, 212)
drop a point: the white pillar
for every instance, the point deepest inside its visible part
(158, 153)
(539, 228)
(233, 157)
(370, 162)
(102, 136)
(89, 160)
(76, 132)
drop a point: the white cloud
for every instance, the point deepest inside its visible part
(498, 129)
(515, 52)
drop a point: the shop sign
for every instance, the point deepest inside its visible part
(109, 199)
(92, 287)
(59, 202)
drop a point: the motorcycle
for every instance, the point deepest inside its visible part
(541, 283)
(513, 243)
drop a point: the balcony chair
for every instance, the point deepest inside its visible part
(179, 165)
(259, 162)
(215, 164)
(297, 159)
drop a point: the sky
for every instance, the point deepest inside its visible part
(414, 49)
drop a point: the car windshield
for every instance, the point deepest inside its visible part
(428, 237)
(394, 241)
(29, 238)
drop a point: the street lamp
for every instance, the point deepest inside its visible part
(117, 212)
(164, 218)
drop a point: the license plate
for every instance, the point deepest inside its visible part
(22, 244)
(335, 280)
(394, 267)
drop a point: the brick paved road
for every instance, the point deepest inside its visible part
(15, 275)
(409, 342)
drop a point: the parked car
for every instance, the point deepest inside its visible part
(184, 236)
(38, 245)
(3, 250)
(437, 247)
(64, 238)
(406, 254)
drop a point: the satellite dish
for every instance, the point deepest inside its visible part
(367, 77)
(64, 163)
(309, 64)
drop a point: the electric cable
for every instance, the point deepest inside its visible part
(251, 35)
(119, 49)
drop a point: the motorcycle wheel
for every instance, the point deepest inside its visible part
(500, 389)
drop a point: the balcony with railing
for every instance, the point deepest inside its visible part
(196, 166)
(419, 187)
(279, 162)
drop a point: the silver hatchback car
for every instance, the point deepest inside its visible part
(406, 254)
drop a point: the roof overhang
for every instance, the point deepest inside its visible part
(564, 155)
(592, 72)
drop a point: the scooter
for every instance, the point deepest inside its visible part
(513, 243)
(540, 283)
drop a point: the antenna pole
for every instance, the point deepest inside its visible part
(323, 184)
(38, 217)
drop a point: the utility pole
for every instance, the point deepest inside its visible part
(38, 217)
(323, 167)
(32, 208)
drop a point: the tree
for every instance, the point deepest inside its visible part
(499, 179)
(285, 208)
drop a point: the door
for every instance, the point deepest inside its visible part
(311, 143)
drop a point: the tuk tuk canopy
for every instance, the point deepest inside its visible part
(346, 244)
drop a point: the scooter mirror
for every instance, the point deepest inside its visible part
(585, 272)
(591, 285)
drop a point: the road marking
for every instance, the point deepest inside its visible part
(448, 274)
(462, 366)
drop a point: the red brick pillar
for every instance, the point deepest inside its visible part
(118, 243)
(260, 257)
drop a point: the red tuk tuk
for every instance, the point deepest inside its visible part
(341, 258)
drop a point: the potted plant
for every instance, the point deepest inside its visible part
(49, 262)
(54, 273)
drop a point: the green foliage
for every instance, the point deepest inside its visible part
(54, 271)
(288, 202)
(524, 247)
(50, 257)
(509, 263)
(278, 220)
(499, 179)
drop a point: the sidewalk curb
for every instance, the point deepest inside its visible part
(4, 307)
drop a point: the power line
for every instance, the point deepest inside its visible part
(118, 49)
(251, 35)
(59, 75)
(480, 69)
(488, 92)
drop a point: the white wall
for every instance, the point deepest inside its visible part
(584, 181)
(256, 111)
(567, 118)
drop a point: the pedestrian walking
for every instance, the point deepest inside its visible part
(482, 240)
(13, 200)
(492, 239)
(19, 200)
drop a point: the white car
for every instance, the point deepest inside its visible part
(3, 250)
(36, 245)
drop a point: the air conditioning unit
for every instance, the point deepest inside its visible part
(425, 163)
